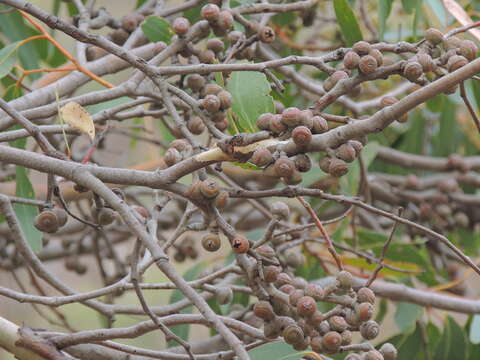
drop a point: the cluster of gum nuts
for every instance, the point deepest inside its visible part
(301, 324)
(300, 125)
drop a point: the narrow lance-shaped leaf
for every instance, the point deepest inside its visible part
(348, 23)
(26, 213)
(384, 9)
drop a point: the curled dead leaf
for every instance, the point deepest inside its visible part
(77, 117)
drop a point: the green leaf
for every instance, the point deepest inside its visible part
(184, 330)
(284, 19)
(247, 166)
(275, 350)
(443, 349)
(12, 26)
(409, 5)
(382, 311)
(349, 184)
(408, 346)
(406, 316)
(157, 29)
(26, 213)
(250, 98)
(8, 57)
(384, 9)
(459, 342)
(348, 23)
(475, 330)
(445, 141)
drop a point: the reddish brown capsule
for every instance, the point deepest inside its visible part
(195, 82)
(284, 167)
(181, 26)
(293, 334)
(434, 36)
(283, 278)
(337, 167)
(212, 89)
(221, 200)
(225, 99)
(291, 116)
(315, 291)
(337, 323)
(368, 64)
(306, 306)
(216, 45)
(324, 163)
(263, 121)
(332, 341)
(181, 145)
(225, 20)
(261, 157)
(365, 295)
(294, 296)
(209, 188)
(62, 216)
(320, 125)
(172, 156)
(412, 70)
(276, 125)
(346, 152)
(369, 330)
(195, 125)
(303, 162)
(456, 62)
(361, 47)
(46, 222)
(333, 79)
(210, 12)
(287, 289)
(364, 311)
(206, 56)
(263, 310)
(222, 125)
(211, 242)
(377, 55)
(468, 49)
(240, 244)
(271, 273)
(266, 34)
(351, 60)
(301, 136)
(211, 103)
(426, 61)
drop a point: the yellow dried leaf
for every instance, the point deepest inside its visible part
(77, 117)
